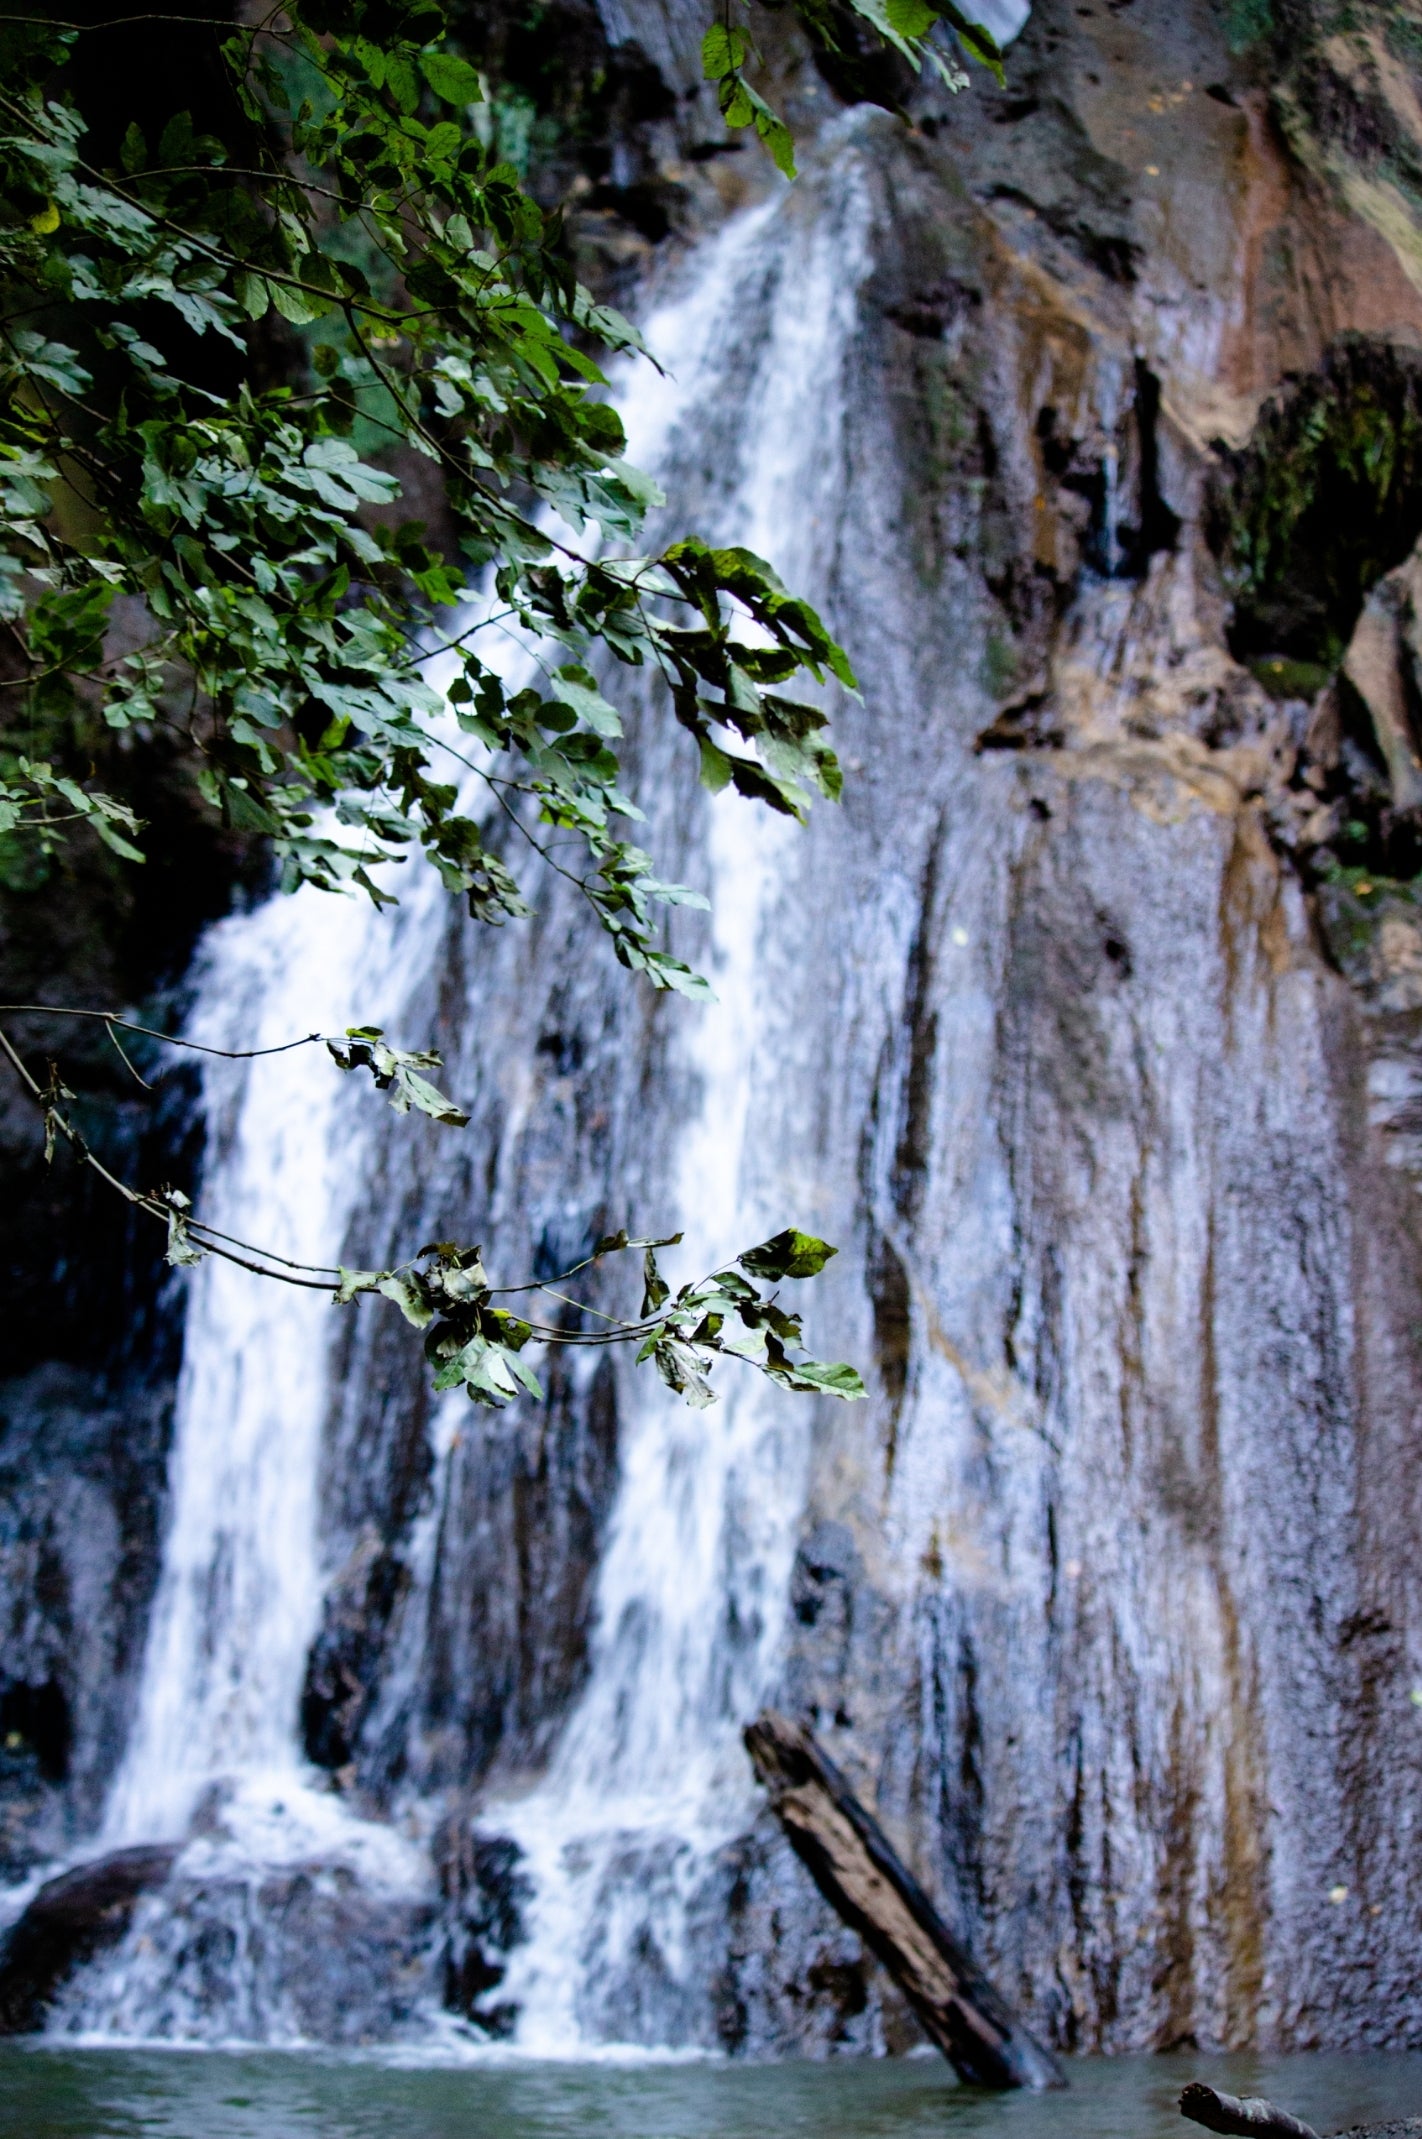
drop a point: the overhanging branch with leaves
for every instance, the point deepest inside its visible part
(472, 1342)
(277, 624)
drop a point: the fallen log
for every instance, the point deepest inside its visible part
(1240, 2116)
(850, 1861)
(1252, 2117)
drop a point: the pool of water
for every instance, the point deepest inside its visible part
(62, 2093)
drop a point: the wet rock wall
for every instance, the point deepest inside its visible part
(1106, 1600)
(1099, 1062)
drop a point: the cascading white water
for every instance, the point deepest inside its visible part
(690, 1599)
(650, 1777)
(239, 1598)
(1109, 1186)
(213, 1761)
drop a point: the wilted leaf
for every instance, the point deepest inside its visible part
(182, 1250)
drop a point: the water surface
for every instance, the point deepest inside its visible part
(57, 2093)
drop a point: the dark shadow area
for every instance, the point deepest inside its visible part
(34, 1720)
(1323, 500)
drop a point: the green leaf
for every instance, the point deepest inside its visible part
(911, 18)
(979, 41)
(741, 106)
(452, 78)
(397, 1071)
(576, 688)
(408, 1297)
(655, 1291)
(298, 304)
(253, 293)
(835, 1379)
(402, 81)
(789, 1254)
(115, 841)
(734, 98)
(683, 1369)
(723, 49)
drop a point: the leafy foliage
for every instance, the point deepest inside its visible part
(190, 548)
(471, 1342)
(399, 1072)
(476, 1345)
(285, 621)
(912, 28)
(1324, 498)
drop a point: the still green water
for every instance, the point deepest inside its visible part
(111, 2094)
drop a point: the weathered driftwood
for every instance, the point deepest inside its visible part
(854, 1868)
(1242, 2116)
(1251, 2117)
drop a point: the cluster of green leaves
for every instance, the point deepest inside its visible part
(286, 622)
(920, 31)
(399, 1072)
(476, 1345)
(187, 548)
(41, 802)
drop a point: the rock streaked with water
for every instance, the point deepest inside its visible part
(1107, 1600)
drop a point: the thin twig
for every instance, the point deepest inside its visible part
(121, 22)
(109, 1029)
(569, 1301)
(200, 1225)
(149, 1032)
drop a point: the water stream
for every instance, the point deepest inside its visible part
(649, 1777)
(240, 1594)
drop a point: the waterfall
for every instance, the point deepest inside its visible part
(1039, 1029)
(752, 339)
(650, 1778)
(239, 1597)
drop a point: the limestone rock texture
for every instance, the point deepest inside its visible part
(1101, 1067)
(1116, 1610)
(1112, 1603)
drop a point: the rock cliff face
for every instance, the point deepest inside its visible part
(1108, 1599)
(1117, 1615)
(91, 1334)
(1091, 1035)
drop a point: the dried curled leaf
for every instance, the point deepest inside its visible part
(182, 1250)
